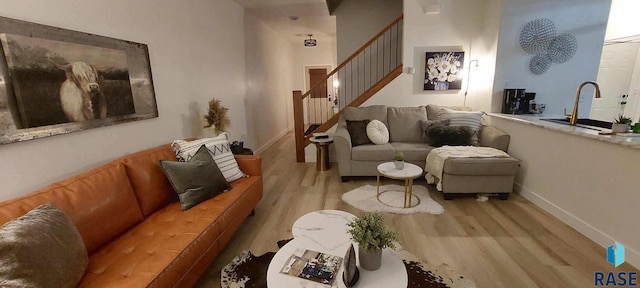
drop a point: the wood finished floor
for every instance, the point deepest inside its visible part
(496, 243)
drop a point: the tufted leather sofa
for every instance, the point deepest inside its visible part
(132, 226)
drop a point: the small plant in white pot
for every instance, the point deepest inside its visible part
(621, 124)
(399, 160)
(372, 235)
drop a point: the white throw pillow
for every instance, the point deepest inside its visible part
(471, 119)
(220, 151)
(377, 132)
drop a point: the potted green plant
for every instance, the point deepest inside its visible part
(621, 124)
(372, 235)
(399, 157)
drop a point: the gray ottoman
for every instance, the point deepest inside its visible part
(479, 175)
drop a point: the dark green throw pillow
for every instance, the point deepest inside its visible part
(440, 135)
(427, 124)
(358, 132)
(196, 180)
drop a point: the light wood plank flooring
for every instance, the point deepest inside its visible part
(496, 243)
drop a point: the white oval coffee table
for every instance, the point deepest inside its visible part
(408, 173)
(326, 231)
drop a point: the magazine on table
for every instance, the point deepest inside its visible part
(313, 265)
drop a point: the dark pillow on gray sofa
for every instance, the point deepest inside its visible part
(426, 124)
(440, 135)
(196, 180)
(358, 132)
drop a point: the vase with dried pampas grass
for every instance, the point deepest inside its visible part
(216, 117)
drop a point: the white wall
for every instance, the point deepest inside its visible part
(623, 22)
(588, 184)
(623, 19)
(196, 51)
(271, 76)
(585, 19)
(460, 24)
(358, 21)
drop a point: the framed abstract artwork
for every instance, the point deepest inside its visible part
(56, 81)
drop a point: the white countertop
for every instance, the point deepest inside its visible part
(625, 139)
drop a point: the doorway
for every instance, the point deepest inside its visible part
(318, 106)
(316, 76)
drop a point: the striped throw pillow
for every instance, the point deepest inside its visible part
(471, 119)
(220, 151)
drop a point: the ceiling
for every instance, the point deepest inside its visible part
(313, 18)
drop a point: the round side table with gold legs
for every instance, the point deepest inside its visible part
(408, 173)
(322, 152)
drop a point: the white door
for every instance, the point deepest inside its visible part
(614, 77)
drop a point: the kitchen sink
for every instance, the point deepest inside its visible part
(584, 123)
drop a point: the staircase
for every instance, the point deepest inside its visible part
(354, 81)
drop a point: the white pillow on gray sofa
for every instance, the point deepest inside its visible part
(377, 132)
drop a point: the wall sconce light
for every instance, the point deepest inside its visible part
(473, 64)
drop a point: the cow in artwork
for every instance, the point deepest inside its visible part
(81, 95)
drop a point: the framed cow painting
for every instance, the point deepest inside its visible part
(58, 81)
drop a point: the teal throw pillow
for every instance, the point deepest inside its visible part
(196, 180)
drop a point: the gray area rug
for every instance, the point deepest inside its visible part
(247, 270)
(365, 199)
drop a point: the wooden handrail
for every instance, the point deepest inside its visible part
(355, 103)
(303, 140)
(298, 125)
(346, 61)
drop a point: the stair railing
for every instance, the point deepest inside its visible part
(354, 81)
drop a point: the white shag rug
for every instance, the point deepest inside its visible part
(364, 198)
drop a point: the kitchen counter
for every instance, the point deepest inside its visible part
(625, 139)
(584, 179)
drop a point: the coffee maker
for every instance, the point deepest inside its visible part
(516, 101)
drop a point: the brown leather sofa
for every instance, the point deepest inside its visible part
(131, 223)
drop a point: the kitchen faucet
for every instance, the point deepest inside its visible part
(574, 116)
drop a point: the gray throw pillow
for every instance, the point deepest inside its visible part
(40, 249)
(196, 180)
(440, 135)
(358, 132)
(426, 124)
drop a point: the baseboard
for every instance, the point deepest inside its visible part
(271, 142)
(631, 256)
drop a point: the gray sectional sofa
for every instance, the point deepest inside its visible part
(405, 135)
